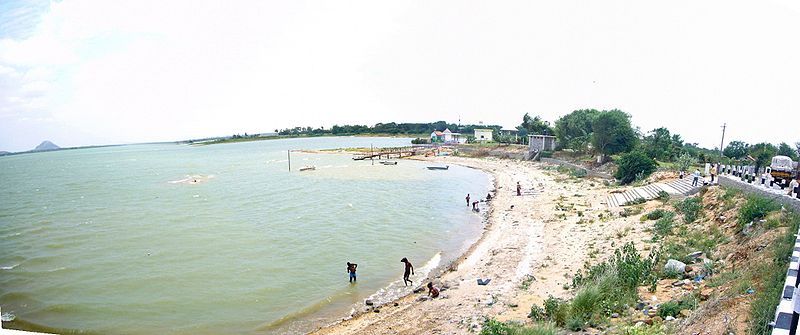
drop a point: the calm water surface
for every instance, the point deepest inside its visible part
(116, 241)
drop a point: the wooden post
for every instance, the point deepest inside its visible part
(289, 156)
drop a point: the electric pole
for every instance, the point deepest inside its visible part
(724, 125)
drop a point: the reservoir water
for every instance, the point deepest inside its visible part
(181, 239)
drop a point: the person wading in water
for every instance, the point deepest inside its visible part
(351, 269)
(408, 271)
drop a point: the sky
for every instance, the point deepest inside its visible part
(107, 71)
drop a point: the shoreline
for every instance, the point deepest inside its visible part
(438, 271)
(530, 248)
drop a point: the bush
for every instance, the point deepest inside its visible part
(556, 310)
(419, 141)
(633, 163)
(663, 196)
(673, 308)
(494, 327)
(669, 308)
(537, 313)
(664, 225)
(610, 286)
(690, 208)
(756, 208)
(586, 303)
(657, 214)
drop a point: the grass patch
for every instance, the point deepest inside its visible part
(691, 208)
(754, 209)
(663, 227)
(766, 299)
(494, 327)
(673, 307)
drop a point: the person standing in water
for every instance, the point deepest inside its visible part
(408, 271)
(467, 199)
(519, 189)
(351, 269)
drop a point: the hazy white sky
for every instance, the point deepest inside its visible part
(106, 71)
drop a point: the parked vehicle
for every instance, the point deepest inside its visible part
(783, 170)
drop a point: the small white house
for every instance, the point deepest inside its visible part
(447, 136)
(483, 135)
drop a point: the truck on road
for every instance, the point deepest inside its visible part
(783, 170)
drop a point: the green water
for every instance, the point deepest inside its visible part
(115, 241)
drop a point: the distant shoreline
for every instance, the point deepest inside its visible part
(213, 141)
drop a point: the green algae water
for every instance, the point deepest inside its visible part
(179, 239)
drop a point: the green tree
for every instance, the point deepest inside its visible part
(574, 130)
(612, 133)
(685, 161)
(762, 153)
(535, 125)
(736, 150)
(658, 144)
(785, 150)
(634, 165)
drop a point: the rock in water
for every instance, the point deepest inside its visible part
(369, 302)
(46, 146)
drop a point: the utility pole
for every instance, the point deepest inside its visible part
(289, 158)
(722, 141)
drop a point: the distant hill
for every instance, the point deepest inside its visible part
(46, 146)
(3, 153)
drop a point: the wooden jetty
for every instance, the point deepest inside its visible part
(387, 153)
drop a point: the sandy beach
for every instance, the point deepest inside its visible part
(531, 247)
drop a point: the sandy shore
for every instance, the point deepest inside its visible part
(532, 246)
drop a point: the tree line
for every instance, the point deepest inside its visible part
(610, 132)
(391, 128)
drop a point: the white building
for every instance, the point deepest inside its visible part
(448, 136)
(483, 135)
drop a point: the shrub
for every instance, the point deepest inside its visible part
(756, 208)
(669, 308)
(419, 141)
(575, 324)
(586, 303)
(663, 196)
(633, 163)
(537, 313)
(690, 208)
(657, 214)
(556, 310)
(610, 286)
(663, 226)
(494, 327)
(673, 307)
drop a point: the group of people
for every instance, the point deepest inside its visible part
(476, 202)
(696, 175)
(407, 272)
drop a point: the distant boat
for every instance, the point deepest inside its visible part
(389, 163)
(439, 167)
(308, 168)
